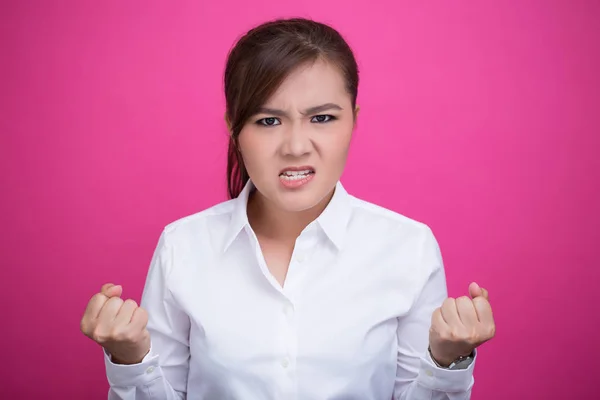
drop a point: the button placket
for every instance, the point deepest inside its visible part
(300, 257)
(288, 310)
(289, 336)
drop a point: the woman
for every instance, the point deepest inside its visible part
(293, 289)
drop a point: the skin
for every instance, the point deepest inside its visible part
(288, 135)
(117, 325)
(461, 325)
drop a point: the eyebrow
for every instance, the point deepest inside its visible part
(308, 111)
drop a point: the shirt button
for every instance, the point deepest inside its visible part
(150, 370)
(285, 362)
(287, 310)
(300, 257)
(429, 373)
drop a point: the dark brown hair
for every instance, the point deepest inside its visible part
(259, 63)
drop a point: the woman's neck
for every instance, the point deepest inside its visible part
(272, 222)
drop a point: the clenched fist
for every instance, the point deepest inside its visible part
(118, 326)
(460, 325)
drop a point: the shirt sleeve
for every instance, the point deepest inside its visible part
(417, 376)
(162, 374)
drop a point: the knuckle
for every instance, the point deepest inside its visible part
(473, 338)
(134, 337)
(480, 301)
(446, 335)
(116, 301)
(101, 295)
(117, 334)
(143, 314)
(450, 301)
(435, 319)
(129, 336)
(459, 336)
(98, 298)
(84, 325)
(98, 335)
(475, 332)
(131, 302)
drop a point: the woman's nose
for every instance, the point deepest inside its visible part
(296, 141)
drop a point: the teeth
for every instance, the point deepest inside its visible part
(293, 178)
(295, 175)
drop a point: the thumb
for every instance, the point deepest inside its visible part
(475, 290)
(110, 290)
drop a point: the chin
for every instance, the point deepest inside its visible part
(297, 206)
(300, 201)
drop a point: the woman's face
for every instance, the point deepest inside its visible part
(295, 148)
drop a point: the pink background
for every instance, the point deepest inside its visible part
(480, 118)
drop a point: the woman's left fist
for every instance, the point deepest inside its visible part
(460, 325)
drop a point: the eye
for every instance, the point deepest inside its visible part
(270, 121)
(320, 119)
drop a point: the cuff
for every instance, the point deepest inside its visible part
(445, 380)
(133, 374)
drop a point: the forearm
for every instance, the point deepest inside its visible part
(437, 383)
(143, 381)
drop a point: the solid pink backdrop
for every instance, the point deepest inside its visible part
(478, 118)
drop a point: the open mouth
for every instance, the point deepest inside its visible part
(296, 175)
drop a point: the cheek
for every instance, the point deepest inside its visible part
(253, 149)
(338, 143)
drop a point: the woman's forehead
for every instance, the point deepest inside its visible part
(309, 86)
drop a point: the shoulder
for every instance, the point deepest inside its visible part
(199, 226)
(377, 219)
(397, 235)
(393, 239)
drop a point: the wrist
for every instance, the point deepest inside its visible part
(448, 361)
(119, 361)
(439, 361)
(116, 359)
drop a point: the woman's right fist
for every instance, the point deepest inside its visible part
(118, 326)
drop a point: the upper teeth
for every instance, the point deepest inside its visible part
(294, 173)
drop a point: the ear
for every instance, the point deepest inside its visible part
(356, 111)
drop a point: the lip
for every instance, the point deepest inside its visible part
(301, 168)
(298, 181)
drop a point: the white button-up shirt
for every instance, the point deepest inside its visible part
(351, 321)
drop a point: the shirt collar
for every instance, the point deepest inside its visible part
(239, 216)
(333, 220)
